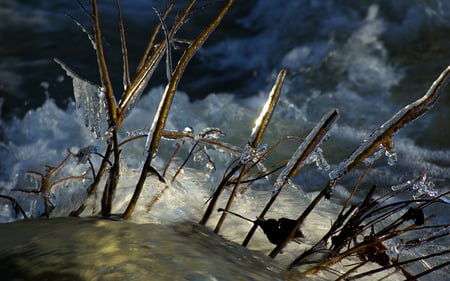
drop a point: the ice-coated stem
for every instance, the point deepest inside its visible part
(255, 138)
(384, 133)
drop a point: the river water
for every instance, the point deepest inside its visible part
(366, 59)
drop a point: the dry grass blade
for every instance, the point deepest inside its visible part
(169, 69)
(310, 144)
(126, 70)
(112, 181)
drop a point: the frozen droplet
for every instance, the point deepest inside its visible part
(246, 154)
(424, 187)
(45, 85)
(317, 158)
(249, 154)
(188, 130)
(210, 165)
(199, 156)
(393, 249)
(401, 186)
(420, 187)
(391, 157)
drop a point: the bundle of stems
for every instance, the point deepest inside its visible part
(360, 230)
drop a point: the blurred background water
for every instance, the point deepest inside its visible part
(367, 58)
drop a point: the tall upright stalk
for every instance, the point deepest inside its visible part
(113, 177)
(261, 124)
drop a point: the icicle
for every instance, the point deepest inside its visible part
(199, 156)
(391, 156)
(381, 150)
(402, 185)
(34, 178)
(89, 97)
(281, 181)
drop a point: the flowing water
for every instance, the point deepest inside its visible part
(367, 59)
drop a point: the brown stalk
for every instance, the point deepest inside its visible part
(113, 178)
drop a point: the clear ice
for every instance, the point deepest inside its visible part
(421, 186)
(89, 97)
(84, 153)
(249, 154)
(317, 158)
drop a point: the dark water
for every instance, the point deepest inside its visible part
(240, 57)
(32, 33)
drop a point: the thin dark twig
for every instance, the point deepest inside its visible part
(169, 69)
(126, 70)
(84, 9)
(15, 204)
